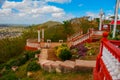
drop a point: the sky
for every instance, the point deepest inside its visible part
(39, 11)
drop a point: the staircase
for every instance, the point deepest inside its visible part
(92, 35)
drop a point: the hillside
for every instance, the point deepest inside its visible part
(50, 24)
(56, 30)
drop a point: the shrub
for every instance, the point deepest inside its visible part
(10, 76)
(65, 54)
(22, 60)
(12, 62)
(33, 66)
(5, 72)
(2, 66)
(74, 51)
(91, 52)
(80, 48)
(37, 52)
(31, 54)
(64, 45)
(116, 36)
(59, 48)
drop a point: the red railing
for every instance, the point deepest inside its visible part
(75, 40)
(30, 48)
(77, 34)
(108, 60)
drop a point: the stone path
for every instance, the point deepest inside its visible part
(43, 54)
(63, 66)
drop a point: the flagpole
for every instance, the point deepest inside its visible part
(115, 20)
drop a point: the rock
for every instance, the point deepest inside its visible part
(56, 66)
(14, 68)
(84, 64)
(47, 66)
(41, 62)
(67, 66)
(36, 55)
(29, 74)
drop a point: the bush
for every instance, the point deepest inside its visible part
(33, 66)
(31, 54)
(116, 36)
(65, 54)
(59, 48)
(81, 49)
(22, 60)
(2, 66)
(74, 51)
(12, 62)
(5, 72)
(37, 52)
(10, 76)
(91, 52)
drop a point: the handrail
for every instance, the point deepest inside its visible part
(115, 42)
(108, 60)
(82, 36)
(74, 35)
(115, 51)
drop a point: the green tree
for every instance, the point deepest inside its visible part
(68, 30)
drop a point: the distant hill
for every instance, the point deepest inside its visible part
(13, 25)
(50, 24)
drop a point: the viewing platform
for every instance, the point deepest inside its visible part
(33, 44)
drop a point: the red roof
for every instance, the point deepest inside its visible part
(112, 22)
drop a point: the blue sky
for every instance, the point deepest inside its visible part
(39, 11)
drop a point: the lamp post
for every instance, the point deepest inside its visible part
(101, 14)
(115, 20)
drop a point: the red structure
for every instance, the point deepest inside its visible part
(108, 60)
(30, 48)
(112, 22)
(106, 27)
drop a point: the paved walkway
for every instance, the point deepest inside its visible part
(43, 54)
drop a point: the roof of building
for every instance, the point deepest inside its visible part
(112, 22)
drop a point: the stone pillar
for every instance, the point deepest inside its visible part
(38, 35)
(101, 14)
(42, 35)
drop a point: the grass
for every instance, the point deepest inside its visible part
(21, 72)
(42, 75)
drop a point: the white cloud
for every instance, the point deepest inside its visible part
(92, 14)
(59, 1)
(29, 11)
(5, 12)
(58, 15)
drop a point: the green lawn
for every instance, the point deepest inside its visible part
(42, 75)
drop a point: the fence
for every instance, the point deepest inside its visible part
(108, 60)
